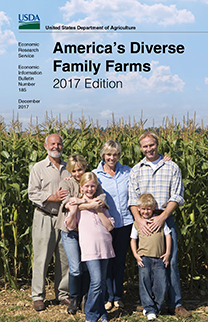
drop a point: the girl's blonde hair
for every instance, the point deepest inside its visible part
(146, 200)
(73, 159)
(87, 176)
(110, 145)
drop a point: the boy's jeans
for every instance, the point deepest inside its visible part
(152, 284)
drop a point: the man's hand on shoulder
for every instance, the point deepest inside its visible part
(143, 225)
(156, 223)
(61, 194)
(58, 196)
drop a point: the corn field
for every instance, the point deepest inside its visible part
(186, 143)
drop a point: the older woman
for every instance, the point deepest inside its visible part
(114, 179)
(78, 275)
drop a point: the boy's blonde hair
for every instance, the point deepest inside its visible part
(87, 176)
(75, 159)
(146, 200)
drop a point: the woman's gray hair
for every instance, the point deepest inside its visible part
(110, 145)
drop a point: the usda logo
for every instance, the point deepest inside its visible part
(29, 21)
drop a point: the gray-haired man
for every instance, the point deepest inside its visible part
(46, 195)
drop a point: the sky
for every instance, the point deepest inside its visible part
(167, 39)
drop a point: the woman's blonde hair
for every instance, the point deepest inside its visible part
(146, 200)
(87, 176)
(73, 159)
(110, 145)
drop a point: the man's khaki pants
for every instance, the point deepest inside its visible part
(46, 241)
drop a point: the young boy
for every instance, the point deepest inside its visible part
(152, 257)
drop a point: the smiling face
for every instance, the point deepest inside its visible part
(111, 158)
(89, 189)
(78, 171)
(149, 147)
(54, 146)
(146, 212)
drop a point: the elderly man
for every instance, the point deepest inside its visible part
(46, 196)
(163, 180)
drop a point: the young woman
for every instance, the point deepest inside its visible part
(96, 245)
(78, 274)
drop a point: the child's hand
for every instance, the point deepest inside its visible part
(139, 260)
(165, 258)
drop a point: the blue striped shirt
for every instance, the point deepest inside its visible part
(116, 190)
(164, 183)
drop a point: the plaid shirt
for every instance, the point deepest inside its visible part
(164, 183)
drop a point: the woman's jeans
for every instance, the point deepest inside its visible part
(78, 275)
(116, 265)
(95, 307)
(174, 290)
(152, 284)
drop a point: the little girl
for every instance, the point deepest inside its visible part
(95, 243)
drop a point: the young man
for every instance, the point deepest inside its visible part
(46, 195)
(163, 180)
(152, 257)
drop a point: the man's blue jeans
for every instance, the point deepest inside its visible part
(152, 284)
(94, 307)
(174, 290)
